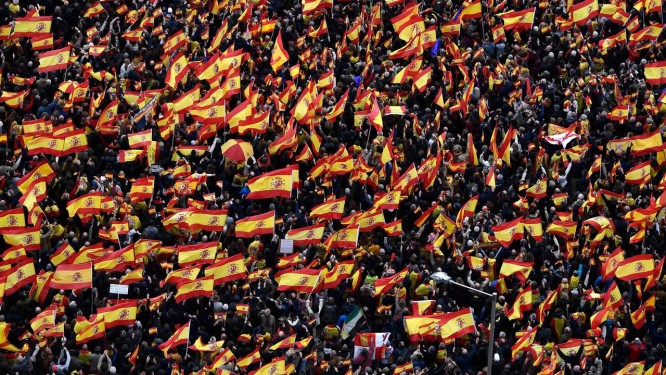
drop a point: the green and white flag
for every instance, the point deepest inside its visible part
(353, 322)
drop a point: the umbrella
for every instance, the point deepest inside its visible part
(236, 150)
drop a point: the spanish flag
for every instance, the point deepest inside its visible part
(202, 287)
(632, 368)
(388, 201)
(13, 99)
(344, 238)
(422, 307)
(306, 236)
(272, 184)
(53, 60)
(30, 27)
(640, 174)
(12, 218)
(471, 11)
(43, 320)
(646, 143)
(524, 342)
(88, 204)
(519, 20)
(116, 261)
(609, 266)
(177, 71)
(393, 229)
(96, 330)
(209, 220)
(182, 275)
(42, 42)
(636, 267)
(508, 232)
(28, 237)
(522, 303)
(340, 272)
(228, 269)
(533, 227)
(339, 107)
(331, 210)
(249, 359)
(279, 55)
(311, 6)
(305, 280)
(257, 124)
(564, 229)
(375, 115)
(457, 324)
(56, 331)
(584, 11)
(655, 73)
(134, 276)
(108, 115)
(72, 276)
(200, 253)
(421, 220)
(211, 347)
(521, 269)
(19, 276)
(140, 139)
(406, 180)
(121, 314)
(538, 190)
(408, 23)
(286, 343)
(180, 337)
(224, 357)
(256, 225)
(94, 10)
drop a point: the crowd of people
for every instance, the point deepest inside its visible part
(514, 147)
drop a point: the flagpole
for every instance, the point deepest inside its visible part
(92, 293)
(187, 345)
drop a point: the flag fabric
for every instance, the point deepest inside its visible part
(655, 73)
(72, 276)
(31, 27)
(279, 55)
(306, 236)
(344, 238)
(639, 174)
(508, 232)
(94, 331)
(305, 280)
(177, 71)
(180, 337)
(18, 276)
(645, 144)
(636, 267)
(202, 287)
(43, 320)
(88, 204)
(518, 268)
(353, 322)
(277, 183)
(53, 60)
(331, 210)
(257, 225)
(228, 269)
(519, 20)
(584, 11)
(200, 253)
(121, 314)
(116, 261)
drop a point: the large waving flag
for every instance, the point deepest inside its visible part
(279, 55)
(256, 225)
(228, 269)
(72, 276)
(180, 337)
(201, 287)
(272, 184)
(53, 60)
(306, 280)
